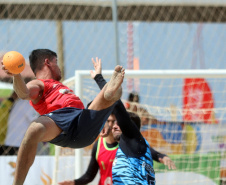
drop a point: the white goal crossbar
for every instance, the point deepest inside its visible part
(82, 74)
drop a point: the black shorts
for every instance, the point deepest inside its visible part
(80, 126)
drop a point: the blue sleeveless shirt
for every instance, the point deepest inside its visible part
(133, 171)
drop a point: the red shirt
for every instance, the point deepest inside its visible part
(56, 96)
(105, 157)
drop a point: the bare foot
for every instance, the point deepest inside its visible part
(113, 90)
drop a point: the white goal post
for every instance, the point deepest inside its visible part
(82, 74)
(77, 82)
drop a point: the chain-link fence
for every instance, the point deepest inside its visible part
(146, 34)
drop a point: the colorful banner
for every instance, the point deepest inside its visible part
(186, 138)
(198, 101)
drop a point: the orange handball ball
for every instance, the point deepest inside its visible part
(14, 62)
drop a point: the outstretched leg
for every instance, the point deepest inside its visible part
(43, 129)
(111, 92)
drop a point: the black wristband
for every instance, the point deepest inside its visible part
(98, 76)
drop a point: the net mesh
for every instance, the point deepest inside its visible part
(195, 143)
(164, 35)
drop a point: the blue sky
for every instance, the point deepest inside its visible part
(157, 45)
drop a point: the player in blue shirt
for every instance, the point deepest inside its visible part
(133, 163)
(131, 166)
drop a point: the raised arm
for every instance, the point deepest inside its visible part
(96, 74)
(31, 91)
(124, 121)
(130, 132)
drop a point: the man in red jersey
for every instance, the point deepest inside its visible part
(63, 120)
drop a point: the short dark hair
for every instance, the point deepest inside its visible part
(38, 56)
(135, 118)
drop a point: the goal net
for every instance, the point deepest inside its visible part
(183, 115)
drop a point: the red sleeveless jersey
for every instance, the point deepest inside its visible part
(56, 96)
(105, 157)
